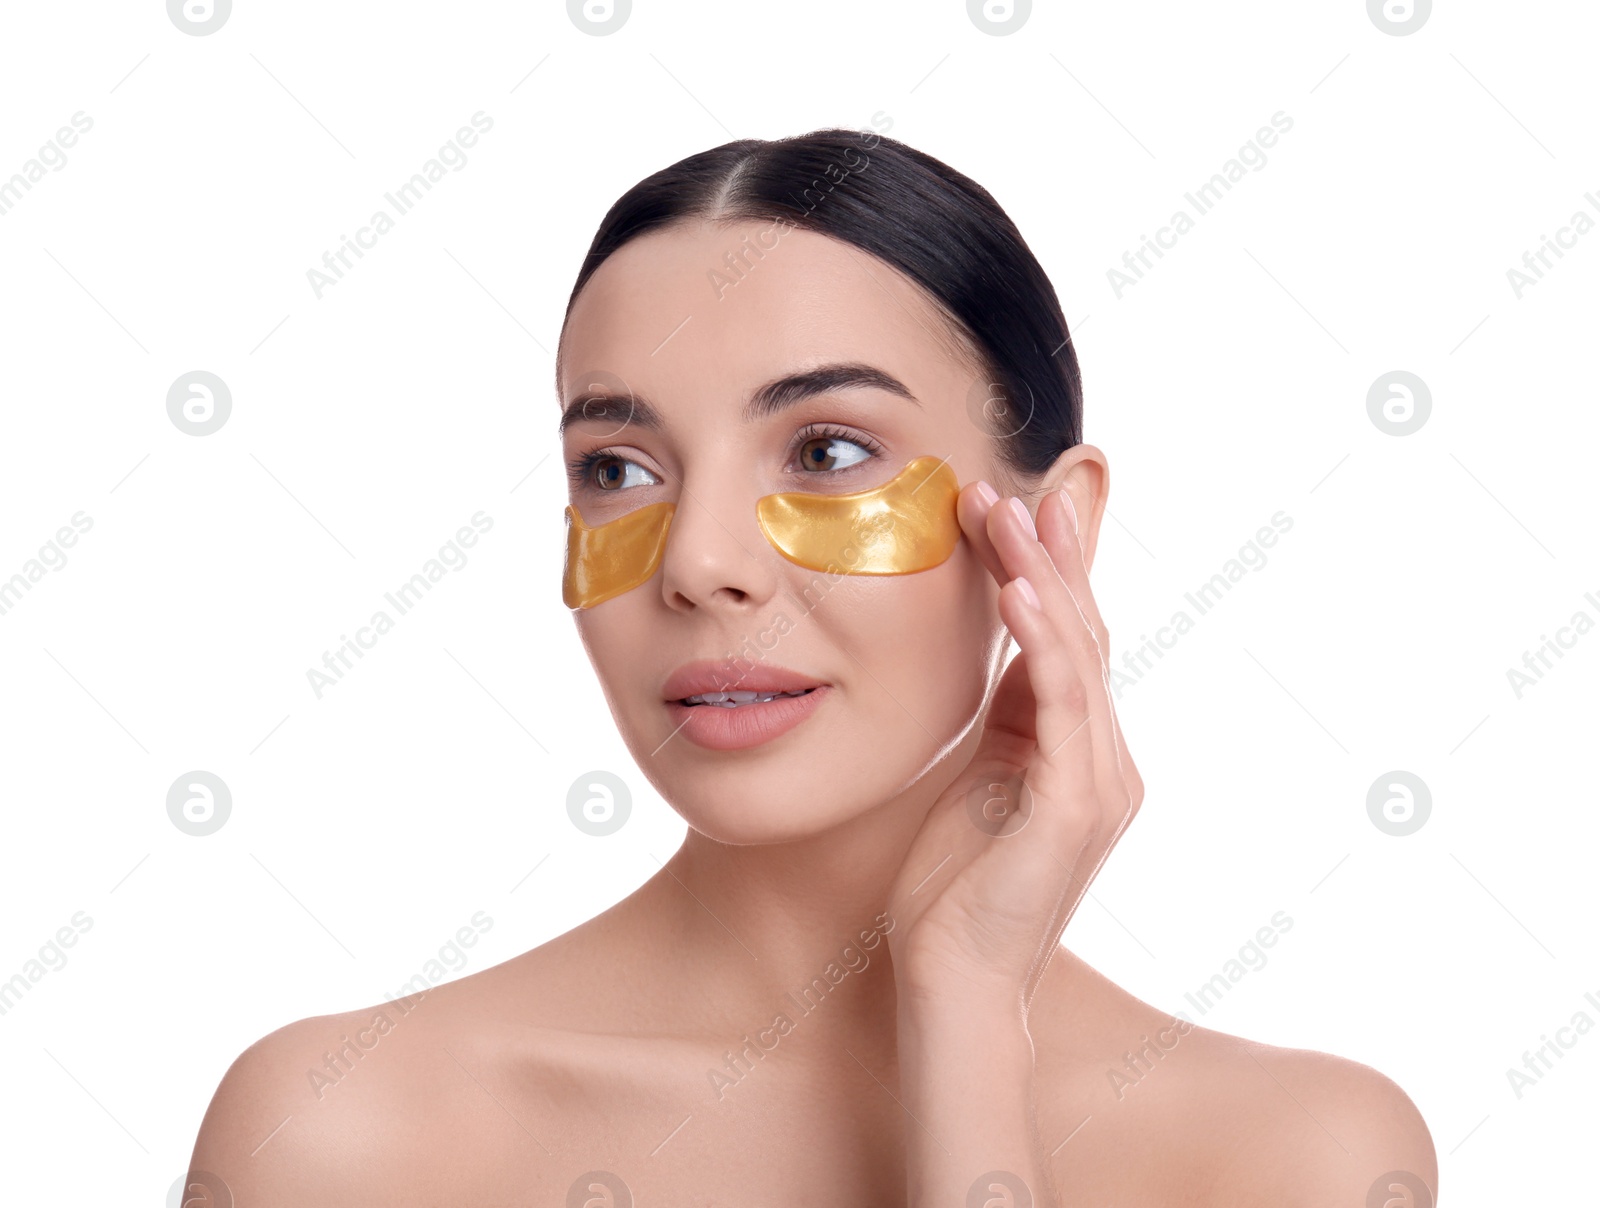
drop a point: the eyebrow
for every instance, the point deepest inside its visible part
(777, 395)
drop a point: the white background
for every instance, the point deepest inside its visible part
(368, 425)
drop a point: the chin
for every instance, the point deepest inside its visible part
(782, 818)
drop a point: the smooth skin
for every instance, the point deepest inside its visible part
(948, 1034)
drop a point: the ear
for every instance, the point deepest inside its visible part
(1083, 471)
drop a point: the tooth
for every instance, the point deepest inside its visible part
(734, 698)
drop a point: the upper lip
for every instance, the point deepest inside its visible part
(728, 675)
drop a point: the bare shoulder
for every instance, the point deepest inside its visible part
(369, 1106)
(1240, 1122)
(296, 1113)
(1307, 1128)
(448, 1095)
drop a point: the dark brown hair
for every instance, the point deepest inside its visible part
(916, 214)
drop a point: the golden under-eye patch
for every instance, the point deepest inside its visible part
(906, 525)
(614, 557)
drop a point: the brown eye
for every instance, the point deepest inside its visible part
(608, 473)
(599, 470)
(831, 453)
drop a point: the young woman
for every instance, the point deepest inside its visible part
(823, 422)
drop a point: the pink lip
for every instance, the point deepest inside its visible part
(718, 728)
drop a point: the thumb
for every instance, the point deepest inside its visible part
(1010, 725)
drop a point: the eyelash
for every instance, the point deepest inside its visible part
(580, 469)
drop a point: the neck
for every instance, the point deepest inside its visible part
(795, 928)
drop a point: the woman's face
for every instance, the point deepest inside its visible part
(903, 662)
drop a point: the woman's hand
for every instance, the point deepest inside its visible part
(1008, 851)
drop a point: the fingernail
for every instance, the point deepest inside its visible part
(987, 493)
(1021, 510)
(1072, 512)
(1028, 593)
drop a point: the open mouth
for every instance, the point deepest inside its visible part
(736, 698)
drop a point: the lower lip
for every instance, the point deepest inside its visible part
(718, 728)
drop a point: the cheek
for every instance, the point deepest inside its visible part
(614, 646)
(955, 628)
(918, 648)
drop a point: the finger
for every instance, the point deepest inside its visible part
(1080, 797)
(1058, 532)
(1065, 798)
(972, 510)
(1077, 655)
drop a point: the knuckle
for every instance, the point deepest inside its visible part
(1118, 807)
(1080, 815)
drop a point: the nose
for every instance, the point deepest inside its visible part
(716, 556)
